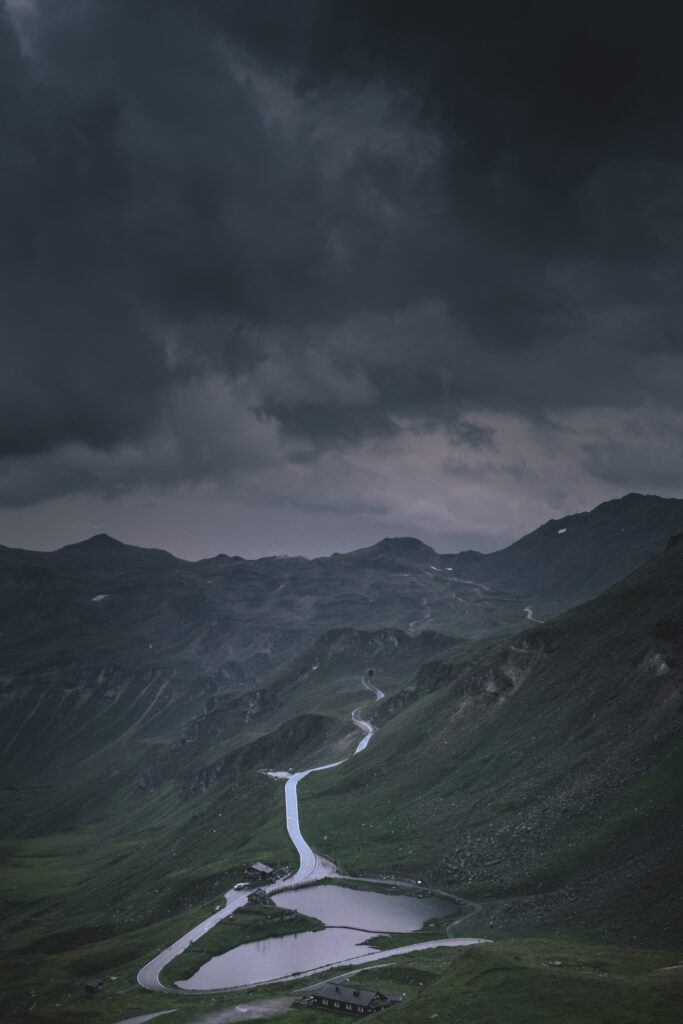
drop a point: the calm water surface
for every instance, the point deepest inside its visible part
(356, 908)
(351, 917)
(276, 958)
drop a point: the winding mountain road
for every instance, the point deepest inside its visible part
(312, 868)
(379, 694)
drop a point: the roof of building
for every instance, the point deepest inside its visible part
(263, 868)
(346, 994)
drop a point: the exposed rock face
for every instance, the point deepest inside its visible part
(465, 678)
(295, 738)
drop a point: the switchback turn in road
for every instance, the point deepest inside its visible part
(312, 868)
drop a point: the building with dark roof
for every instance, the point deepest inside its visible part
(261, 869)
(346, 999)
(259, 897)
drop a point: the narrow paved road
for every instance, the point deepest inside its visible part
(148, 976)
(312, 868)
(146, 1016)
(380, 954)
(379, 694)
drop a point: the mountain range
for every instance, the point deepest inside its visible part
(528, 755)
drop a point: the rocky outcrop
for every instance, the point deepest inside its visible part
(297, 737)
(498, 679)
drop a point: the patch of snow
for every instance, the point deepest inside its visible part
(435, 568)
(100, 597)
(563, 530)
(659, 665)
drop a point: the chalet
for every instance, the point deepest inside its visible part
(345, 999)
(259, 897)
(93, 985)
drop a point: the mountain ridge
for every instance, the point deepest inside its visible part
(530, 767)
(407, 542)
(107, 600)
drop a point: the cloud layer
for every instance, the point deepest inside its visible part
(392, 266)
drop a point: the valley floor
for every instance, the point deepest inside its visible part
(530, 981)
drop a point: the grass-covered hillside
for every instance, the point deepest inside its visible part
(541, 774)
(123, 828)
(537, 773)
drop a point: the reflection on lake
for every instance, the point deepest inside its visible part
(357, 908)
(258, 962)
(345, 911)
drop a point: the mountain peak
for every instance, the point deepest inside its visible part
(99, 542)
(634, 500)
(404, 545)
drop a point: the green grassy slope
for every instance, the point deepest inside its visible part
(539, 775)
(106, 856)
(546, 982)
(542, 774)
(526, 982)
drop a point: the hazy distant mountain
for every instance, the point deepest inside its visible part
(571, 559)
(103, 601)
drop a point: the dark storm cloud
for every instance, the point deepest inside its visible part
(561, 132)
(349, 213)
(148, 200)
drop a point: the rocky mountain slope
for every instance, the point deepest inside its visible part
(103, 644)
(567, 561)
(101, 600)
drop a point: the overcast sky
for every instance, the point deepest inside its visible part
(294, 275)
